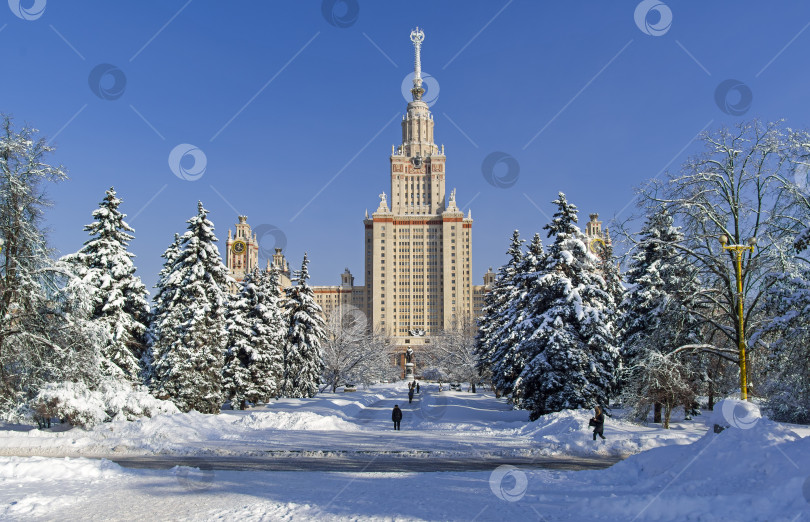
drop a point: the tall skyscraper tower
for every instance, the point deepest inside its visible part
(418, 250)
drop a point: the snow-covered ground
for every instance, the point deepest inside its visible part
(442, 423)
(759, 471)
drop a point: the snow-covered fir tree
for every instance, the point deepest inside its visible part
(236, 381)
(187, 350)
(660, 307)
(494, 316)
(519, 319)
(256, 333)
(164, 293)
(119, 298)
(572, 357)
(787, 384)
(303, 361)
(270, 327)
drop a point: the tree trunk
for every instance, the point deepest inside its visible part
(711, 395)
(657, 413)
(473, 387)
(667, 414)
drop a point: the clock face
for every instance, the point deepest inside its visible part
(238, 247)
(597, 247)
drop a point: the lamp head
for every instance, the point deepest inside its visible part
(723, 239)
(752, 242)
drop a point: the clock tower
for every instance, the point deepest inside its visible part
(418, 250)
(242, 250)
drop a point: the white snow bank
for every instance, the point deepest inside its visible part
(34, 469)
(567, 432)
(301, 420)
(755, 473)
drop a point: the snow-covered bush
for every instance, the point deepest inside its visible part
(81, 406)
(658, 378)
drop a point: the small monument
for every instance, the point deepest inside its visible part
(409, 376)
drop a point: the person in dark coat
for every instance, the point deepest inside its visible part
(396, 416)
(410, 396)
(417, 387)
(598, 423)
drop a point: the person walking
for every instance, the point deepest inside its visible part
(396, 416)
(598, 423)
(410, 396)
(417, 387)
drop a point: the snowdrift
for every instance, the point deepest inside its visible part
(567, 432)
(761, 472)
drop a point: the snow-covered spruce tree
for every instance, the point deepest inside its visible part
(787, 386)
(256, 329)
(269, 323)
(187, 351)
(660, 315)
(303, 361)
(519, 320)
(164, 294)
(118, 296)
(572, 357)
(496, 305)
(236, 381)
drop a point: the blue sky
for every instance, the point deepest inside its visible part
(295, 112)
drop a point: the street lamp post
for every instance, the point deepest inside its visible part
(738, 250)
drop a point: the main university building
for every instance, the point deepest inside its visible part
(418, 251)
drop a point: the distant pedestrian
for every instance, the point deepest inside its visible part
(417, 387)
(598, 423)
(410, 396)
(396, 416)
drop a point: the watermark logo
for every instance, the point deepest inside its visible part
(429, 83)
(33, 12)
(740, 414)
(801, 176)
(733, 97)
(500, 176)
(340, 13)
(353, 322)
(508, 483)
(196, 479)
(107, 81)
(653, 17)
(182, 154)
(270, 238)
